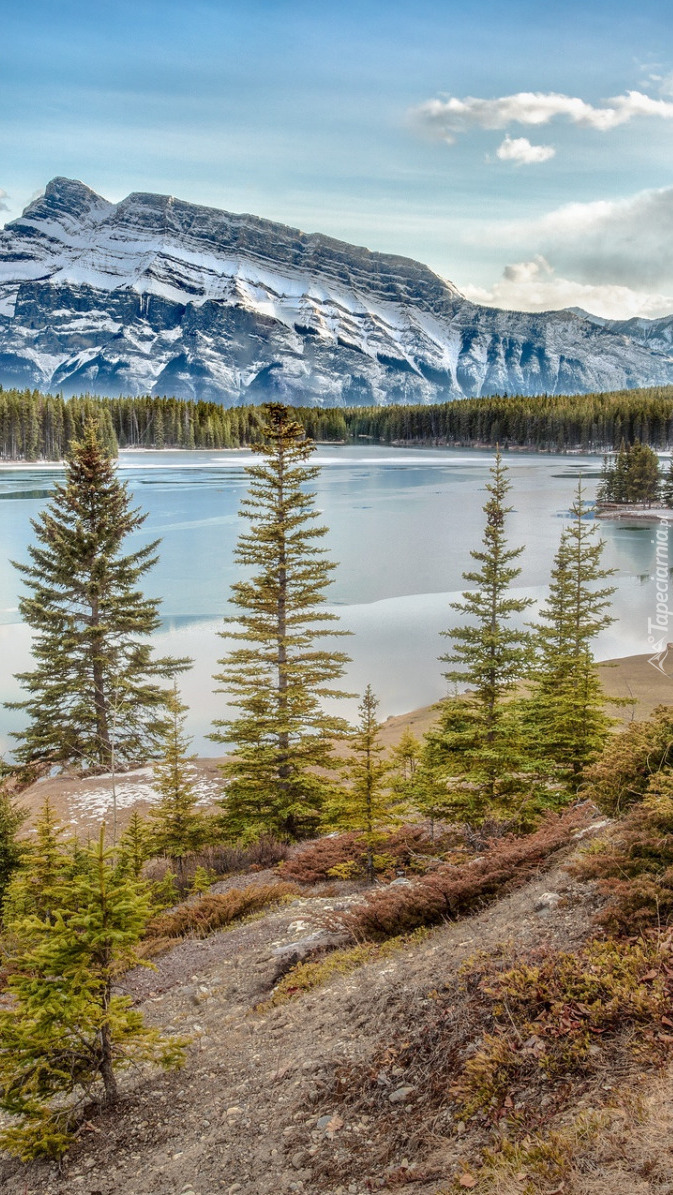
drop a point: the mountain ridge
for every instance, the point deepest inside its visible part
(156, 295)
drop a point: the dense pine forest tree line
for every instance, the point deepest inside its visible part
(37, 426)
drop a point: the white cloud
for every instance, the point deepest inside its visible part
(623, 242)
(4, 207)
(520, 150)
(447, 118)
(534, 286)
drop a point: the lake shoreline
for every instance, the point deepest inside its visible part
(362, 441)
(82, 802)
(650, 514)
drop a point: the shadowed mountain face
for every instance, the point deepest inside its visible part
(152, 295)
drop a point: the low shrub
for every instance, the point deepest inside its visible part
(554, 1020)
(262, 855)
(266, 852)
(622, 775)
(343, 856)
(216, 910)
(634, 865)
(454, 890)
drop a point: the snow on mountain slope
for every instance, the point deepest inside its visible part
(156, 295)
(653, 333)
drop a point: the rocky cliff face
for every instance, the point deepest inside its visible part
(155, 295)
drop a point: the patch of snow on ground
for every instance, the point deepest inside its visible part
(132, 787)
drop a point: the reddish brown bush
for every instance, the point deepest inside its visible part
(453, 890)
(215, 910)
(634, 865)
(410, 848)
(266, 852)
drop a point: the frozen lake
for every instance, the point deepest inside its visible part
(402, 523)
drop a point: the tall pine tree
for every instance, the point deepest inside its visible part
(633, 476)
(93, 694)
(11, 820)
(282, 671)
(667, 486)
(643, 478)
(565, 712)
(478, 731)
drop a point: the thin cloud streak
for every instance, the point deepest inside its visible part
(446, 119)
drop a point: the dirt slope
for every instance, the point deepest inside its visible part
(248, 1114)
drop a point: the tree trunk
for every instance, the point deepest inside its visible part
(106, 1068)
(99, 694)
(283, 740)
(370, 864)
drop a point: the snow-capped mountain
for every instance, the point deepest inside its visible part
(152, 295)
(654, 333)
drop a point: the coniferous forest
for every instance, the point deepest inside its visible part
(37, 426)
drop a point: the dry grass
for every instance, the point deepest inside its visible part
(213, 911)
(625, 1148)
(524, 1077)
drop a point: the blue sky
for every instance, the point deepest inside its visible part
(322, 116)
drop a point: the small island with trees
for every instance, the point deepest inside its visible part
(633, 485)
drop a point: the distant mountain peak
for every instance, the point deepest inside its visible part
(156, 294)
(65, 196)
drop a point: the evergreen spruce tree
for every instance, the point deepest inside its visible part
(179, 827)
(11, 820)
(66, 1034)
(443, 784)
(404, 760)
(367, 805)
(620, 480)
(479, 730)
(90, 623)
(564, 713)
(606, 485)
(420, 768)
(281, 738)
(135, 845)
(43, 860)
(202, 880)
(643, 478)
